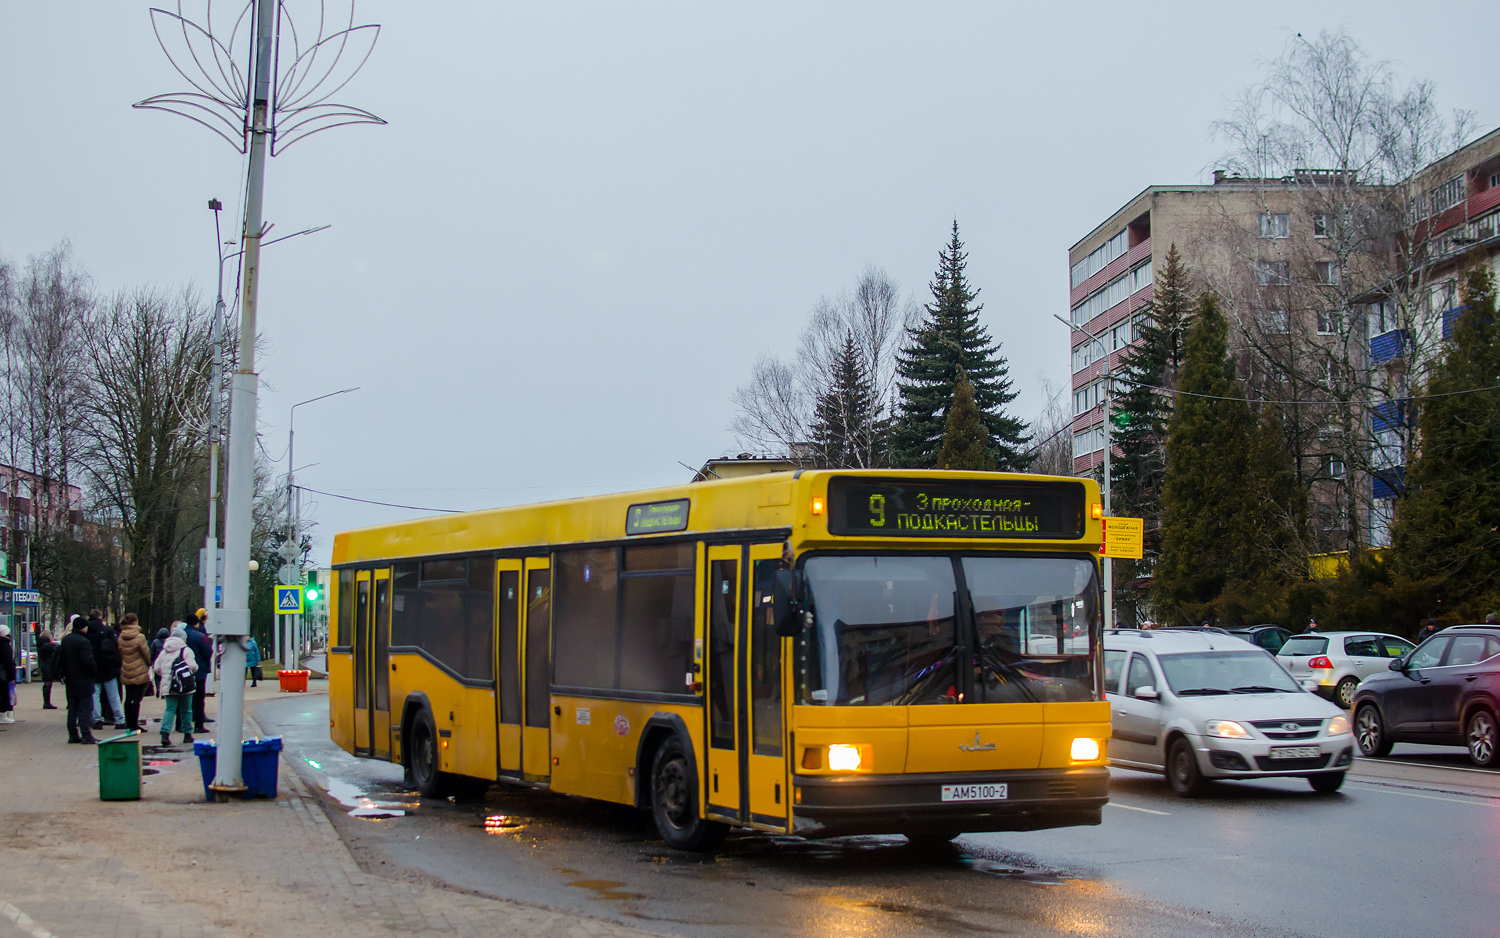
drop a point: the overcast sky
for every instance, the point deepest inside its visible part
(584, 222)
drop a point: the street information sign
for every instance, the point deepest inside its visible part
(288, 600)
(1124, 538)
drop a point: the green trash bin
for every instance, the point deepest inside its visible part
(120, 768)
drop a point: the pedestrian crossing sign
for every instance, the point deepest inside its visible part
(289, 600)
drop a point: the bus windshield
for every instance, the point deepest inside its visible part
(888, 631)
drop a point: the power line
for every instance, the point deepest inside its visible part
(366, 501)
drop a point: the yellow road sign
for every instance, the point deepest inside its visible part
(1124, 538)
(289, 600)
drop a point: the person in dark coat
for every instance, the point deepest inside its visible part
(1427, 631)
(107, 671)
(160, 640)
(8, 677)
(197, 640)
(46, 657)
(76, 670)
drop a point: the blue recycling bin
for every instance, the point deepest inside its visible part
(258, 765)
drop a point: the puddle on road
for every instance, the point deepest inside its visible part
(361, 805)
(496, 824)
(601, 888)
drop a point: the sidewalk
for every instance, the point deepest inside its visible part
(173, 866)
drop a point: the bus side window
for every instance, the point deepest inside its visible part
(765, 662)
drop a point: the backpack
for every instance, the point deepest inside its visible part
(182, 680)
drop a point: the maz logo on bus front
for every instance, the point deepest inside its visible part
(977, 747)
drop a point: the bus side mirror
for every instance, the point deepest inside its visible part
(786, 602)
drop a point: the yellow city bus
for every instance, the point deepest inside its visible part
(820, 653)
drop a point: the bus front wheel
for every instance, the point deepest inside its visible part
(674, 801)
(422, 757)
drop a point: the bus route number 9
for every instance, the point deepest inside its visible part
(877, 511)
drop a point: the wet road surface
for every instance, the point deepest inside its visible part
(1410, 845)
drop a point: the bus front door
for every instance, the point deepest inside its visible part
(536, 626)
(508, 698)
(762, 684)
(721, 617)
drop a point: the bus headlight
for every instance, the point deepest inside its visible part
(843, 758)
(1085, 749)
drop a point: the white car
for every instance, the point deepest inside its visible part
(1197, 705)
(1338, 661)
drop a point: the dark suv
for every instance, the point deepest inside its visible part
(1446, 692)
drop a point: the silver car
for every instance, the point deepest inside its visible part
(1199, 705)
(1338, 661)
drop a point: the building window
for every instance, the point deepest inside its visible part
(1327, 272)
(1447, 195)
(1100, 258)
(1276, 226)
(1320, 225)
(1335, 467)
(1494, 180)
(1329, 322)
(1381, 316)
(1088, 441)
(1275, 321)
(1272, 273)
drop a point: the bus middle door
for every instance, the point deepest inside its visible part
(766, 769)
(508, 684)
(536, 734)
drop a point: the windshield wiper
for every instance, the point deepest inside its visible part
(1202, 691)
(1259, 689)
(1006, 672)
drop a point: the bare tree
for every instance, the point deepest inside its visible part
(1330, 141)
(1052, 431)
(776, 409)
(149, 355)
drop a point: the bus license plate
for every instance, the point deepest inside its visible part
(976, 792)
(1295, 752)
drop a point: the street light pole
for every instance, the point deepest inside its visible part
(1109, 563)
(233, 620)
(293, 521)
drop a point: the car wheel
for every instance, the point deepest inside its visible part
(1182, 770)
(1343, 694)
(1484, 747)
(1326, 783)
(674, 801)
(1369, 732)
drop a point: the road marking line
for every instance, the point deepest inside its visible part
(1131, 807)
(1412, 794)
(1428, 765)
(24, 921)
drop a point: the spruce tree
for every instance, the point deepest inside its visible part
(949, 338)
(1140, 411)
(965, 439)
(846, 424)
(1141, 408)
(1211, 505)
(1447, 530)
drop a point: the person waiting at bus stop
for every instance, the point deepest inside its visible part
(76, 670)
(7, 685)
(177, 673)
(202, 648)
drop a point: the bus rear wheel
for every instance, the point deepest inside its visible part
(674, 801)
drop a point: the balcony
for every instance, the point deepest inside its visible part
(1450, 319)
(1390, 416)
(1114, 269)
(1484, 201)
(1389, 346)
(1388, 483)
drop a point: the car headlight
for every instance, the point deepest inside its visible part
(1226, 729)
(1338, 726)
(843, 758)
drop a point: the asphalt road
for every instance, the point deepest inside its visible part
(1409, 846)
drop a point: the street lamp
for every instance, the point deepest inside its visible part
(1109, 563)
(292, 523)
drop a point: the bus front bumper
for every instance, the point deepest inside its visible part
(1016, 800)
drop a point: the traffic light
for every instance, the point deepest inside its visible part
(311, 591)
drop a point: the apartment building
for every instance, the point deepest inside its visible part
(1336, 291)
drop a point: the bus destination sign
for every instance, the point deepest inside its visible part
(940, 508)
(657, 517)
